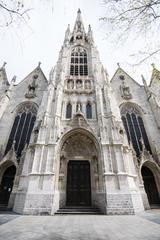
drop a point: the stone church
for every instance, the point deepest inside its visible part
(78, 140)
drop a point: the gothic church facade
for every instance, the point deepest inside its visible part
(78, 139)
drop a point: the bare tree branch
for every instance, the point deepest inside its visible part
(138, 18)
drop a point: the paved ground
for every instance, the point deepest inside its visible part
(145, 226)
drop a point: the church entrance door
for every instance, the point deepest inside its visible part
(150, 186)
(7, 184)
(78, 183)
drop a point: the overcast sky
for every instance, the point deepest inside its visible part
(23, 46)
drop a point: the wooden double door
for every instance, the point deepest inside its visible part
(78, 183)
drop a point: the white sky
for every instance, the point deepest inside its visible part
(22, 47)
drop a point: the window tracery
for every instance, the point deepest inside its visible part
(134, 126)
(22, 128)
(78, 64)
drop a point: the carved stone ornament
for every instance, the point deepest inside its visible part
(32, 88)
(78, 145)
(125, 91)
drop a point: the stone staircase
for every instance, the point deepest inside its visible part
(3, 207)
(79, 210)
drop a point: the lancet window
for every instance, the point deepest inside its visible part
(88, 111)
(22, 128)
(78, 65)
(134, 126)
(69, 110)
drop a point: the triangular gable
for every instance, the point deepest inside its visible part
(120, 71)
(37, 70)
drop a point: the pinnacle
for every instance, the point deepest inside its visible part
(3, 66)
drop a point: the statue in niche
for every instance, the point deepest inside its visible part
(79, 84)
(88, 84)
(95, 164)
(32, 88)
(61, 167)
(125, 91)
(70, 84)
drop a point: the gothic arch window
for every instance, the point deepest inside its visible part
(78, 65)
(89, 110)
(22, 128)
(69, 110)
(134, 126)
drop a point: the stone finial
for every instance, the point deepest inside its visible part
(14, 79)
(153, 65)
(39, 64)
(4, 64)
(79, 11)
(118, 64)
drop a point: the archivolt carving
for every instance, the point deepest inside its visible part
(78, 145)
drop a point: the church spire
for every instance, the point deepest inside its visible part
(78, 33)
(79, 27)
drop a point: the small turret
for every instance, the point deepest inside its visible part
(90, 34)
(67, 34)
(3, 76)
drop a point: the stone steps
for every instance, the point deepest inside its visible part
(3, 207)
(78, 210)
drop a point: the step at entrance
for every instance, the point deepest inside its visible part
(78, 210)
(3, 207)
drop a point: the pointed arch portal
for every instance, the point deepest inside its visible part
(80, 169)
(7, 184)
(150, 186)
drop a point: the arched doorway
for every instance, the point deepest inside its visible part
(80, 171)
(150, 186)
(78, 183)
(7, 184)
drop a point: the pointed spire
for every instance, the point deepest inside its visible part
(78, 27)
(90, 34)
(155, 72)
(3, 78)
(67, 33)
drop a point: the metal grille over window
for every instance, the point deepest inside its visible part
(79, 65)
(22, 128)
(134, 126)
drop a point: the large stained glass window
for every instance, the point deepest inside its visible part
(78, 65)
(22, 127)
(134, 126)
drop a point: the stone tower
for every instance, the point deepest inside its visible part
(77, 151)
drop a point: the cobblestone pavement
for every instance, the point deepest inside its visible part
(144, 226)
